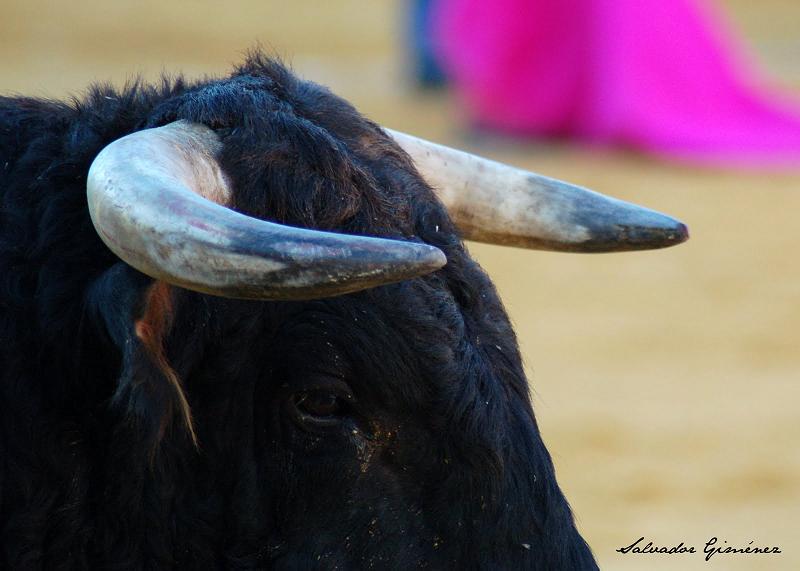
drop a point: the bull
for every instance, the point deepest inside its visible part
(240, 330)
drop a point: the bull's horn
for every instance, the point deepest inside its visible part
(499, 204)
(157, 198)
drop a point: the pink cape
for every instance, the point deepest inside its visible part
(656, 75)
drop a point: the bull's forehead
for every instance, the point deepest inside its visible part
(368, 340)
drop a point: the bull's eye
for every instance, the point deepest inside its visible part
(320, 407)
(318, 403)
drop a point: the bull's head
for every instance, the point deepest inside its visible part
(388, 428)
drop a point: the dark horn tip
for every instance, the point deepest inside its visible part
(652, 234)
(678, 234)
(406, 260)
(655, 238)
(681, 233)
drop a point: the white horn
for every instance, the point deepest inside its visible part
(158, 200)
(500, 204)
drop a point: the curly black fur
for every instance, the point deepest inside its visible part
(438, 462)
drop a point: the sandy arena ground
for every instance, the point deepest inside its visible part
(667, 383)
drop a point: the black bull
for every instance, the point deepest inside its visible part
(144, 425)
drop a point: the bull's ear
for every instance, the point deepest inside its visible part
(136, 313)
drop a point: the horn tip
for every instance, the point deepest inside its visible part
(681, 233)
(429, 259)
(671, 233)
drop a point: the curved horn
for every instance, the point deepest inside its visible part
(156, 198)
(499, 204)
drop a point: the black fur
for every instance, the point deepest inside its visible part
(438, 462)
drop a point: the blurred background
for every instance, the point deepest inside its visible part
(667, 383)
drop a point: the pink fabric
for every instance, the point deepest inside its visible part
(657, 75)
